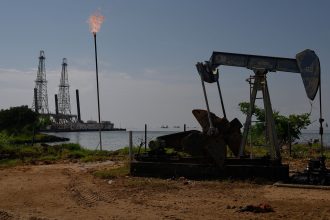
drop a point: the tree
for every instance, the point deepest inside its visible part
(17, 120)
(285, 126)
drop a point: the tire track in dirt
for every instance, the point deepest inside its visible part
(84, 191)
(5, 215)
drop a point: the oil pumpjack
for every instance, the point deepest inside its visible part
(204, 154)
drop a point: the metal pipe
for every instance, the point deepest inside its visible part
(145, 137)
(130, 146)
(56, 105)
(321, 120)
(35, 100)
(247, 123)
(98, 94)
(56, 108)
(271, 131)
(250, 82)
(301, 186)
(221, 100)
(78, 105)
(289, 137)
(208, 109)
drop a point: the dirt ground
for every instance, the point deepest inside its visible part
(70, 191)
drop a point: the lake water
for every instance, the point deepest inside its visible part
(113, 140)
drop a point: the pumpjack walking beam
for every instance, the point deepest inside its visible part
(306, 63)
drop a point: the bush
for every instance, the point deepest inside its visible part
(49, 159)
(288, 128)
(17, 120)
(71, 146)
(124, 151)
(9, 162)
(8, 152)
(75, 154)
(29, 152)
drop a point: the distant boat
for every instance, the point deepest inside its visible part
(164, 126)
(176, 126)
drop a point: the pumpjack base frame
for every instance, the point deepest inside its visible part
(233, 168)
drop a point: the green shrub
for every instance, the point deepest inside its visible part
(9, 162)
(29, 151)
(71, 146)
(49, 159)
(75, 154)
(125, 151)
(8, 152)
(93, 158)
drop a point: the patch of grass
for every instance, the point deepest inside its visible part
(29, 151)
(8, 152)
(71, 146)
(152, 184)
(125, 150)
(9, 162)
(95, 157)
(48, 153)
(257, 151)
(302, 151)
(298, 151)
(49, 159)
(27, 138)
(75, 154)
(327, 154)
(113, 172)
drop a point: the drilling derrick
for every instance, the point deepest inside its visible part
(64, 106)
(40, 103)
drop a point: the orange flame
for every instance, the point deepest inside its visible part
(95, 21)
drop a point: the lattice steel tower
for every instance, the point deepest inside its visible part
(40, 99)
(64, 106)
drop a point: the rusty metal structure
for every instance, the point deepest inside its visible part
(40, 98)
(204, 154)
(200, 145)
(306, 63)
(63, 117)
(64, 106)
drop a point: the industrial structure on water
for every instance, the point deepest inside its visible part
(62, 119)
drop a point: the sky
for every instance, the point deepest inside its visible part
(147, 51)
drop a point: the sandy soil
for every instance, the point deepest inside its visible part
(69, 191)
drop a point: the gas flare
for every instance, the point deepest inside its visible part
(95, 21)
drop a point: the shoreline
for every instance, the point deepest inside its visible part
(80, 130)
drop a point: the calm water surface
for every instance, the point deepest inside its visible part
(113, 140)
